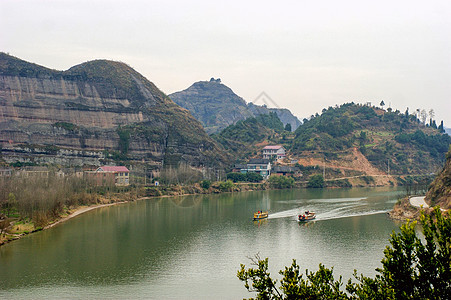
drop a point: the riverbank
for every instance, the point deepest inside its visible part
(24, 227)
(409, 208)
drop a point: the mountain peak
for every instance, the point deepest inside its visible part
(216, 106)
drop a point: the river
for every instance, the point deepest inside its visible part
(191, 247)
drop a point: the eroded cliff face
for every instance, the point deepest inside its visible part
(98, 107)
(440, 190)
(49, 101)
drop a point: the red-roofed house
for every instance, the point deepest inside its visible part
(276, 151)
(119, 175)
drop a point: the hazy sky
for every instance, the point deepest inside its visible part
(306, 55)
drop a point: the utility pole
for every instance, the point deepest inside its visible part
(324, 169)
(388, 165)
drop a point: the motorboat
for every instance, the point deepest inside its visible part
(307, 216)
(260, 215)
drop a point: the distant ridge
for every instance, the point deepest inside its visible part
(216, 106)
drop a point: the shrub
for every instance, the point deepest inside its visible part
(205, 184)
(281, 182)
(316, 181)
(236, 177)
(253, 177)
(225, 186)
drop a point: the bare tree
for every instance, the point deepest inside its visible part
(424, 116)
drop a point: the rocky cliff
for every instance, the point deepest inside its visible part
(99, 109)
(216, 106)
(440, 190)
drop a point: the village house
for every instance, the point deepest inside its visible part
(4, 172)
(258, 165)
(34, 171)
(287, 170)
(274, 151)
(109, 175)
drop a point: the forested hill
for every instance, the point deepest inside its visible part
(246, 138)
(216, 106)
(392, 141)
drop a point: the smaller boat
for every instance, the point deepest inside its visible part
(260, 215)
(307, 216)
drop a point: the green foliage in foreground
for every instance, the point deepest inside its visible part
(412, 268)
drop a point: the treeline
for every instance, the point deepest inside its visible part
(43, 199)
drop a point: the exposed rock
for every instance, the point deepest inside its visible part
(95, 107)
(404, 211)
(216, 106)
(440, 190)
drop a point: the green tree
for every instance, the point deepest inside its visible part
(205, 184)
(316, 181)
(281, 182)
(441, 128)
(288, 127)
(236, 177)
(253, 177)
(412, 268)
(226, 186)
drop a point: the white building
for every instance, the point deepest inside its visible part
(276, 151)
(258, 165)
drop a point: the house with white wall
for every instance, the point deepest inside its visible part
(274, 151)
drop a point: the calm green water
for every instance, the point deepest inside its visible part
(191, 247)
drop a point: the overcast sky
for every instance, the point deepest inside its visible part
(306, 55)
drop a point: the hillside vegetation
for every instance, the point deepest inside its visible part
(247, 137)
(389, 140)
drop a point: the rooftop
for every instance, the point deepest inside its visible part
(273, 147)
(113, 169)
(259, 161)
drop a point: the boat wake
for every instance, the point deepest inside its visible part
(327, 216)
(284, 214)
(338, 213)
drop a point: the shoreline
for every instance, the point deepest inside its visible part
(409, 208)
(81, 210)
(76, 212)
